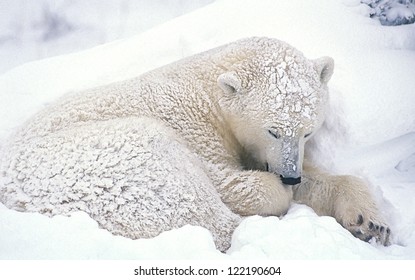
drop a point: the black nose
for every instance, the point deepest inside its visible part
(290, 181)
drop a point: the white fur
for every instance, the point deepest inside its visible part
(187, 143)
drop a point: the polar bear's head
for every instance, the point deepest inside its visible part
(274, 100)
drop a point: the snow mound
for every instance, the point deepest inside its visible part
(35, 236)
(301, 234)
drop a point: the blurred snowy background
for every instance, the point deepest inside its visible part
(35, 29)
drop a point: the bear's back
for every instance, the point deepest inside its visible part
(167, 87)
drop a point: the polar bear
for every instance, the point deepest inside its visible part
(205, 141)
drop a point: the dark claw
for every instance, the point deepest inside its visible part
(360, 220)
(387, 242)
(371, 225)
(382, 229)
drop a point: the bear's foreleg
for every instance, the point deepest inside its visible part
(255, 193)
(347, 199)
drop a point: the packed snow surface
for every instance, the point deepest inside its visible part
(370, 131)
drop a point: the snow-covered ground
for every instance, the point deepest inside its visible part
(370, 133)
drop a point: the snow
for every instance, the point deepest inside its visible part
(33, 30)
(371, 131)
(34, 236)
(392, 12)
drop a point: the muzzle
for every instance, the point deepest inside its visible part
(291, 161)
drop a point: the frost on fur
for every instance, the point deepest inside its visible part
(203, 141)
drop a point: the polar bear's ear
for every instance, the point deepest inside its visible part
(229, 82)
(325, 66)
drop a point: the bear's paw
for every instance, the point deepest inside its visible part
(368, 228)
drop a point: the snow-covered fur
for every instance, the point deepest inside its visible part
(203, 141)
